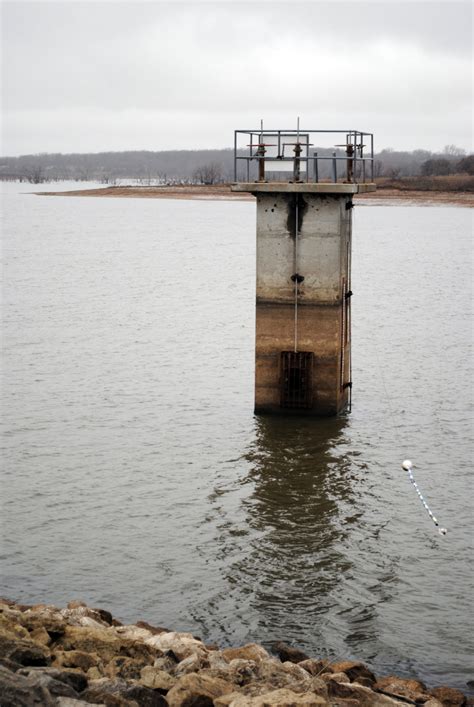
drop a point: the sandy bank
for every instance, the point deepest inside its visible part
(223, 192)
(78, 655)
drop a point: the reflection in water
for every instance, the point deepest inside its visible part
(296, 547)
(296, 509)
(295, 506)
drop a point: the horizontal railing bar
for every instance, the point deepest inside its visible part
(292, 131)
(304, 159)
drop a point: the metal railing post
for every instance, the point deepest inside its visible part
(235, 155)
(372, 155)
(354, 163)
(261, 163)
(296, 162)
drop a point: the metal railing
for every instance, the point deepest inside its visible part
(298, 156)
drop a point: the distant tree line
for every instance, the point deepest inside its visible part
(206, 166)
(166, 167)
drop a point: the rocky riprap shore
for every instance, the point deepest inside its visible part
(67, 657)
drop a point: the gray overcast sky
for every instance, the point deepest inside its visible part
(108, 75)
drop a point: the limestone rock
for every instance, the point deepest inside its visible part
(54, 687)
(124, 668)
(337, 677)
(10, 664)
(276, 698)
(10, 626)
(156, 679)
(288, 653)
(118, 692)
(98, 614)
(196, 690)
(166, 662)
(449, 696)
(227, 700)
(6, 602)
(108, 699)
(402, 687)
(76, 604)
(363, 695)
(40, 635)
(83, 616)
(319, 687)
(354, 670)
(74, 678)
(95, 673)
(278, 675)
(145, 697)
(76, 659)
(182, 644)
(251, 651)
(154, 630)
(17, 691)
(217, 661)
(47, 619)
(63, 658)
(105, 643)
(242, 672)
(43, 611)
(106, 616)
(135, 633)
(191, 664)
(72, 702)
(366, 682)
(44, 617)
(24, 651)
(216, 668)
(315, 667)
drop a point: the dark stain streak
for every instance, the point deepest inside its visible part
(294, 201)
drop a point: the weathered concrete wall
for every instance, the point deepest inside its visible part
(324, 227)
(323, 259)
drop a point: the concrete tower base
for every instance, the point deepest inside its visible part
(303, 337)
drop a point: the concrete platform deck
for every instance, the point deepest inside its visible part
(303, 187)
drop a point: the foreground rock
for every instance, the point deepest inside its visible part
(79, 655)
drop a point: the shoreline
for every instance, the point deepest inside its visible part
(387, 196)
(81, 655)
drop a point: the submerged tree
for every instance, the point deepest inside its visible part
(208, 174)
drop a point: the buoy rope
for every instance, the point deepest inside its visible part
(408, 466)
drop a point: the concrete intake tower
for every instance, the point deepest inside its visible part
(304, 238)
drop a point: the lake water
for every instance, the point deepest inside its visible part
(137, 478)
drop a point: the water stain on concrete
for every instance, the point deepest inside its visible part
(297, 207)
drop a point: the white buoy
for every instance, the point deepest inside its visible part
(407, 465)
